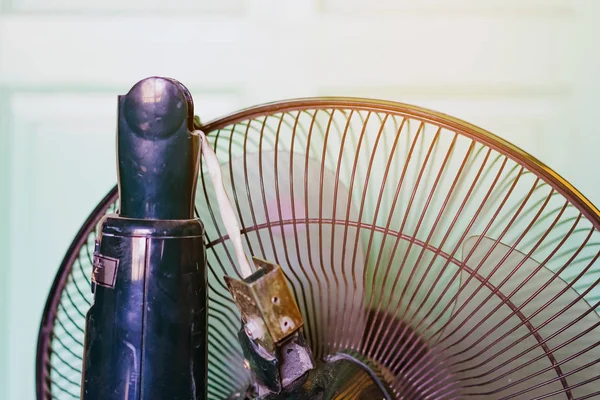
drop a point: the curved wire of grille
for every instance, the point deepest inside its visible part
(443, 259)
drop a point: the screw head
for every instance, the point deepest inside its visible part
(248, 331)
(254, 329)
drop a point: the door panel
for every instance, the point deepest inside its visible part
(525, 69)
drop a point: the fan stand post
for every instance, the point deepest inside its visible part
(146, 331)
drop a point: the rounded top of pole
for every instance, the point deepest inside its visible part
(157, 152)
(154, 108)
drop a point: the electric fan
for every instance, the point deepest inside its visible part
(424, 258)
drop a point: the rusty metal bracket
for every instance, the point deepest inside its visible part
(267, 305)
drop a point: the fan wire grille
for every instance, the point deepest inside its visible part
(461, 265)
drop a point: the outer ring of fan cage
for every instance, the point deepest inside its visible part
(304, 104)
(425, 115)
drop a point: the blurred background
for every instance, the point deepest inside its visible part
(527, 70)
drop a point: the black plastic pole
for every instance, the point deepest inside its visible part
(146, 332)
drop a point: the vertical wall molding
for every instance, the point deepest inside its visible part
(5, 182)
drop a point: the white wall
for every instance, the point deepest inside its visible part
(524, 69)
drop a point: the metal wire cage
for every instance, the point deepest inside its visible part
(459, 264)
